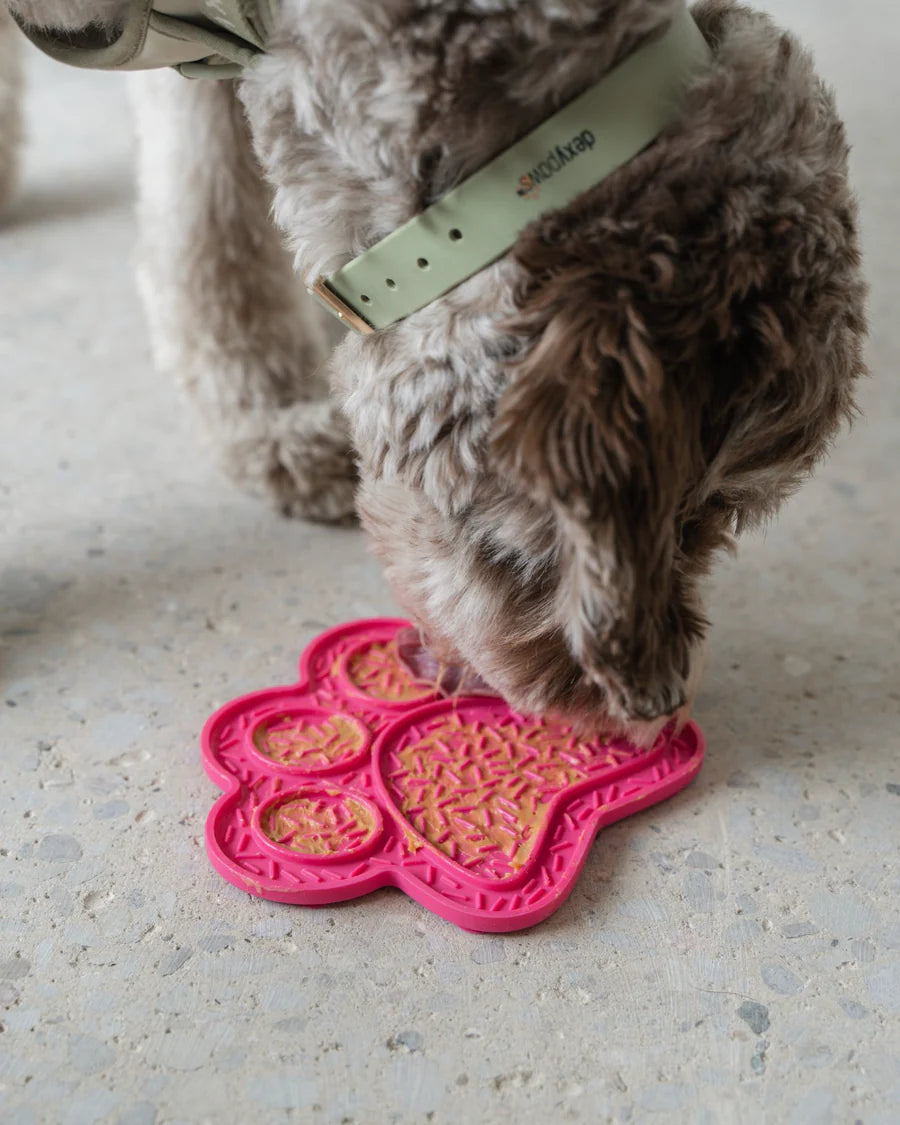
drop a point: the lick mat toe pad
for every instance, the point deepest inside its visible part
(361, 777)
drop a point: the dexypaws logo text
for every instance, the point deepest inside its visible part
(555, 160)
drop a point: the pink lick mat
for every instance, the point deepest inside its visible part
(361, 777)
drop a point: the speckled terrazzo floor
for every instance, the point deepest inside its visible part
(732, 956)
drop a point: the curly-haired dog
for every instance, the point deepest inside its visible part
(550, 454)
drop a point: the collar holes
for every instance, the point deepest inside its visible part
(365, 298)
(390, 283)
(455, 235)
(423, 263)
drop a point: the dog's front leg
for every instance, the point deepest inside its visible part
(227, 316)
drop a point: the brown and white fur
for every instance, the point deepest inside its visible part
(551, 455)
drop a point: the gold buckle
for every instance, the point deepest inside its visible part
(339, 307)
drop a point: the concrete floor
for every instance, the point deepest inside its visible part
(731, 956)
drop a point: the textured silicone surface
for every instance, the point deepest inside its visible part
(360, 777)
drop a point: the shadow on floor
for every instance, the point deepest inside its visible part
(65, 200)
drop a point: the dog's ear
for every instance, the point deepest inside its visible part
(591, 427)
(680, 375)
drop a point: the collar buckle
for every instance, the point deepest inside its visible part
(339, 307)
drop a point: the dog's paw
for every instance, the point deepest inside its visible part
(301, 458)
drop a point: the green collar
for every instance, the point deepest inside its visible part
(200, 38)
(480, 220)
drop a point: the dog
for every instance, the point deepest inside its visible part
(548, 457)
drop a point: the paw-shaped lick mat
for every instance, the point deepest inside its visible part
(362, 777)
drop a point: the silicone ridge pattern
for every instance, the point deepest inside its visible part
(358, 777)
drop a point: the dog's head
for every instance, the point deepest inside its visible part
(691, 332)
